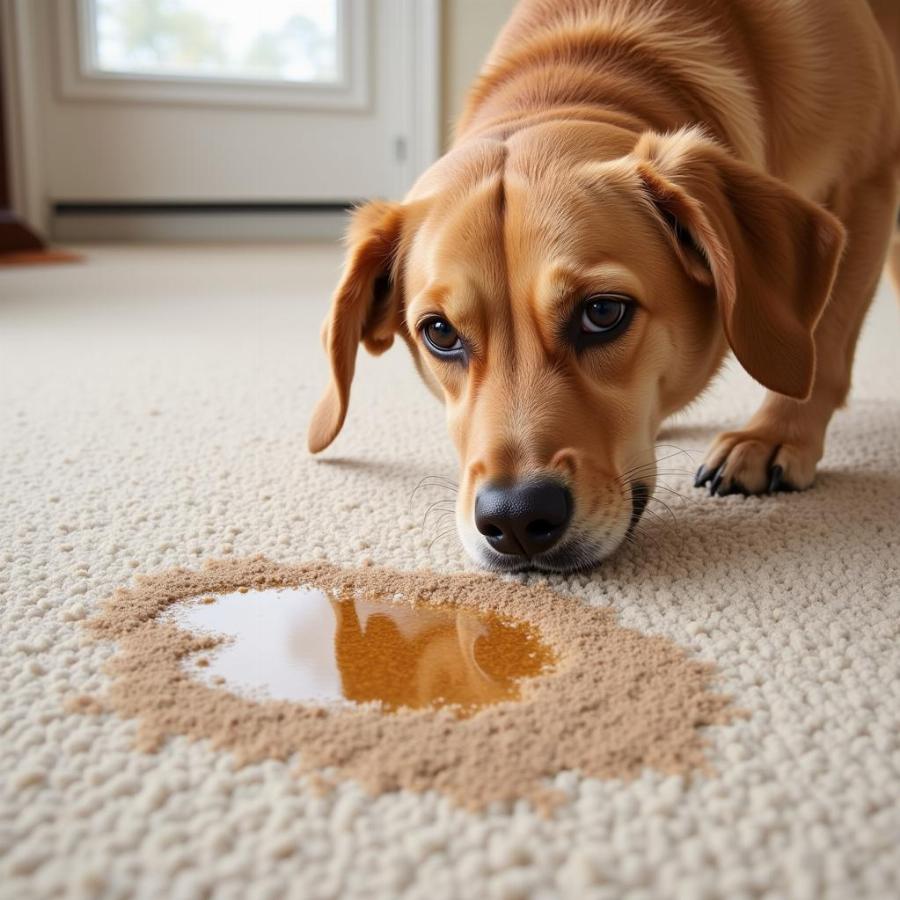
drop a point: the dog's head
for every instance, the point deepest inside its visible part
(564, 290)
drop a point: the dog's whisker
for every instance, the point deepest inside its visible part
(443, 479)
(435, 504)
(442, 514)
(647, 509)
(635, 471)
(639, 529)
(640, 537)
(443, 518)
(439, 482)
(655, 461)
(448, 491)
(441, 511)
(671, 491)
(444, 492)
(437, 521)
(665, 506)
(638, 468)
(628, 494)
(636, 545)
(440, 536)
(690, 454)
(432, 481)
(441, 501)
(656, 476)
(657, 517)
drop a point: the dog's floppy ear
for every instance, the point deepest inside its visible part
(365, 308)
(770, 254)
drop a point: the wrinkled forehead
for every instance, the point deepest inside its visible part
(502, 217)
(461, 227)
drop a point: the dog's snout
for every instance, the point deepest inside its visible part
(525, 518)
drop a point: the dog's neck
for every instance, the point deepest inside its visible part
(602, 72)
(503, 126)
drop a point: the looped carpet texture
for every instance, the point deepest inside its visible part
(153, 407)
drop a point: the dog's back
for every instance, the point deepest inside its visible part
(805, 91)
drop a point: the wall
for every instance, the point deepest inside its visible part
(469, 29)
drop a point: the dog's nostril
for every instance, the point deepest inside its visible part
(491, 531)
(539, 528)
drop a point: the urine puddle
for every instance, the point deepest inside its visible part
(605, 701)
(304, 645)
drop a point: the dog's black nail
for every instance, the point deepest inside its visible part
(775, 478)
(718, 478)
(701, 477)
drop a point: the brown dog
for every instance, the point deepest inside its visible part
(634, 187)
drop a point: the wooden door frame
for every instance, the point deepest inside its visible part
(17, 234)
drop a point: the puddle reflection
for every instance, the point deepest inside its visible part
(300, 644)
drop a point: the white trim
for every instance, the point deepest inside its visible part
(418, 115)
(20, 79)
(81, 81)
(426, 43)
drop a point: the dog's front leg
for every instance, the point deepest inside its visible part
(780, 446)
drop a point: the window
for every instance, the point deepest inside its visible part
(298, 53)
(252, 40)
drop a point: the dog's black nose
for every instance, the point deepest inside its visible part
(525, 518)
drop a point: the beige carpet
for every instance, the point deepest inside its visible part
(153, 406)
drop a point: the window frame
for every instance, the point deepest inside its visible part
(80, 80)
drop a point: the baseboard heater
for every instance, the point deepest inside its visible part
(215, 220)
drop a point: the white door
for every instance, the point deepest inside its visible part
(233, 101)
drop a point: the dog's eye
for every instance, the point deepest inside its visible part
(441, 336)
(603, 313)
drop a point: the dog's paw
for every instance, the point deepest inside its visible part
(756, 462)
